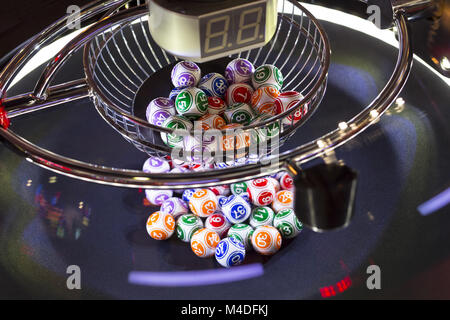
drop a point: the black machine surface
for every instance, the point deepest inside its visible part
(48, 221)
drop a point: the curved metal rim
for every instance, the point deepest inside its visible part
(301, 154)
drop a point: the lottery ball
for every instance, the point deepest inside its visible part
(175, 207)
(262, 216)
(157, 197)
(230, 252)
(222, 190)
(159, 110)
(286, 181)
(220, 201)
(211, 121)
(283, 200)
(261, 192)
(176, 123)
(174, 93)
(266, 240)
(240, 113)
(239, 188)
(203, 203)
(263, 99)
(216, 105)
(266, 131)
(214, 85)
(275, 183)
(187, 225)
(187, 194)
(287, 223)
(243, 233)
(287, 101)
(267, 74)
(199, 151)
(191, 103)
(239, 70)
(236, 209)
(218, 223)
(160, 225)
(156, 165)
(235, 139)
(239, 93)
(204, 242)
(185, 73)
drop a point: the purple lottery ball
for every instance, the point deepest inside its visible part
(239, 71)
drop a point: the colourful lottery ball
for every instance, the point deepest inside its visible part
(191, 103)
(156, 165)
(199, 151)
(266, 240)
(284, 199)
(214, 85)
(203, 203)
(185, 73)
(216, 105)
(159, 110)
(262, 216)
(267, 75)
(235, 139)
(239, 188)
(263, 99)
(287, 101)
(174, 93)
(230, 252)
(175, 123)
(204, 243)
(218, 223)
(275, 183)
(236, 209)
(261, 192)
(187, 225)
(157, 197)
(175, 207)
(243, 233)
(287, 223)
(267, 131)
(222, 190)
(286, 181)
(187, 194)
(160, 225)
(239, 93)
(240, 113)
(211, 121)
(239, 70)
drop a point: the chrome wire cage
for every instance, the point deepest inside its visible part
(119, 60)
(104, 21)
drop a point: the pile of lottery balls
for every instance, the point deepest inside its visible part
(242, 96)
(227, 221)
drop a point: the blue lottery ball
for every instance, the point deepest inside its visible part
(236, 209)
(214, 85)
(187, 194)
(173, 94)
(230, 252)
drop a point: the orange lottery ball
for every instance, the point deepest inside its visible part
(160, 225)
(203, 203)
(204, 243)
(266, 240)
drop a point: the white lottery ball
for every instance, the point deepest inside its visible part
(262, 216)
(214, 85)
(204, 243)
(218, 223)
(187, 225)
(267, 75)
(185, 73)
(157, 197)
(203, 203)
(287, 223)
(261, 192)
(175, 207)
(230, 252)
(160, 225)
(266, 240)
(156, 165)
(236, 209)
(191, 103)
(243, 233)
(284, 199)
(176, 123)
(239, 70)
(159, 110)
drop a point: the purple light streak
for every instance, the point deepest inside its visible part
(195, 278)
(435, 203)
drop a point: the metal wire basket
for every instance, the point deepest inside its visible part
(116, 27)
(120, 59)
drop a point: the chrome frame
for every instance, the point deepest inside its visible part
(45, 96)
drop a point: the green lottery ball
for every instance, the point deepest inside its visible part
(287, 223)
(187, 225)
(262, 216)
(192, 103)
(174, 123)
(243, 233)
(267, 75)
(240, 113)
(238, 188)
(266, 132)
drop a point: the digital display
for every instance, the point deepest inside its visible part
(233, 29)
